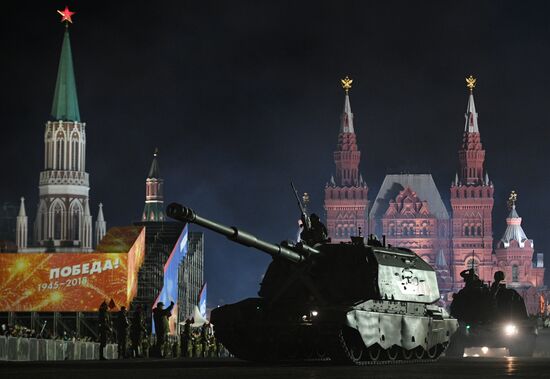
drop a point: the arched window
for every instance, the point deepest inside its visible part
(472, 263)
(411, 230)
(392, 230)
(479, 230)
(515, 273)
(466, 230)
(473, 193)
(75, 214)
(57, 222)
(472, 230)
(424, 231)
(74, 152)
(405, 231)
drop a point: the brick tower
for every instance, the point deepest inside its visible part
(346, 202)
(472, 203)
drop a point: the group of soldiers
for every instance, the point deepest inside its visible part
(478, 302)
(136, 330)
(199, 342)
(194, 342)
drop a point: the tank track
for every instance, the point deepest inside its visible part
(340, 348)
(348, 349)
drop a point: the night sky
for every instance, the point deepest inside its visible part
(240, 97)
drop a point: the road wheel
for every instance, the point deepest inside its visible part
(374, 352)
(393, 352)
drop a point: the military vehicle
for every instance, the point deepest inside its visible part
(356, 302)
(491, 317)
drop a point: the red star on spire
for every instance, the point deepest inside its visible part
(66, 14)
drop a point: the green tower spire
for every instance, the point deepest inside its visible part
(65, 101)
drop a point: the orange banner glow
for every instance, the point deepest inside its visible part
(62, 282)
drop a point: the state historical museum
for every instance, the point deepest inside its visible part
(409, 211)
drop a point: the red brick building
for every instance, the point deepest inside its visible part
(410, 212)
(346, 202)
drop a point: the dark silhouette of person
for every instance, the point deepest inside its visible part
(186, 338)
(496, 286)
(317, 233)
(138, 331)
(122, 324)
(162, 327)
(104, 326)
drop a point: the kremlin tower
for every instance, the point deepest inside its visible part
(346, 202)
(471, 203)
(154, 198)
(63, 221)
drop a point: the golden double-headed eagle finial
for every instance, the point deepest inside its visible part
(471, 83)
(512, 199)
(346, 83)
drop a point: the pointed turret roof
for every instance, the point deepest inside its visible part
(86, 208)
(440, 260)
(471, 116)
(514, 231)
(100, 217)
(154, 172)
(22, 212)
(346, 125)
(65, 101)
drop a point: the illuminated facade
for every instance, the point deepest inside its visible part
(514, 256)
(63, 221)
(346, 201)
(409, 211)
(191, 273)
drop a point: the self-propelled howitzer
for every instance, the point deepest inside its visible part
(354, 302)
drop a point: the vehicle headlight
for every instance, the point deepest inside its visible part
(510, 330)
(314, 313)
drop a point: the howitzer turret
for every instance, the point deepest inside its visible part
(354, 302)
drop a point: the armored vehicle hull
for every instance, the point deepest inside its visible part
(371, 332)
(518, 337)
(355, 303)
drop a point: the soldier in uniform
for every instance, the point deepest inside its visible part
(104, 326)
(206, 333)
(138, 330)
(471, 280)
(496, 286)
(185, 338)
(317, 233)
(122, 331)
(161, 315)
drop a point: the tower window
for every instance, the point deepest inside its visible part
(466, 230)
(478, 230)
(515, 273)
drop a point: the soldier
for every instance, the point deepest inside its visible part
(162, 326)
(317, 232)
(206, 333)
(122, 331)
(471, 280)
(186, 338)
(496, 286)
(104, 326)
(138, 330)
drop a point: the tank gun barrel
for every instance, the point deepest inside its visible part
(184, 214)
